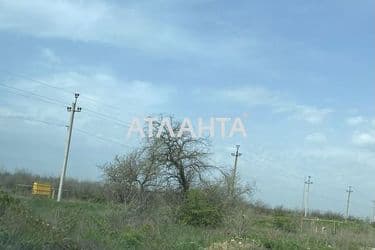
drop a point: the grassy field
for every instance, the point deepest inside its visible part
(38, 223)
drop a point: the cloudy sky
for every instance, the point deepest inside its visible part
(298, 73)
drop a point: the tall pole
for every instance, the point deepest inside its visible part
(304, 197)
(71, 109)
(349, 191)
(373, 212)
(234, 174)
(307, 183)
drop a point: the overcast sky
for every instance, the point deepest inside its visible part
(300, 75)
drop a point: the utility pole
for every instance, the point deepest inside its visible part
(71, 109)
(349, 191)
(303, 197)
(307, 191)
(234, 174)
(373, 212)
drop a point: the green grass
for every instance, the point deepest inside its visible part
(37, 223)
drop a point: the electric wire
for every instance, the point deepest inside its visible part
(102, 138)
(63, 125)
(30, 94)
(107, 117)
(44, 83)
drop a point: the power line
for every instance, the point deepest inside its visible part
(44, 83)
(101, 115)
(93, 100)
(49, 100)
(276, 167)
(30, 94)
(322, 196)
(34, 120)
(32, 97)
(108, 117)
(102, 138)
(36, 81)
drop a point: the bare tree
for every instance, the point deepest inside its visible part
(180, 159)
(131, 175)
(163, 161)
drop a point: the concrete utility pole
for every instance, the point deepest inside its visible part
(307, 191)
(349, 191)
(234, 174)
(71, 109)
(303, 197)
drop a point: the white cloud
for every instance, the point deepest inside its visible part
(27, 120)
(356, 120)
(258, 96)
(50, 56)
(88, 21)
(105, 87)
(251, 95)
(8, 113)
(364, 139)
(316, 138)
(366, 136)
(343, 160)
(310, 114)
(100, 92)
(123, 25)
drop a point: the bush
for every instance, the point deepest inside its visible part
(20, 229)
(73, 189)
(132, 237)
(286, 224)
(198, 210)
(281, 244)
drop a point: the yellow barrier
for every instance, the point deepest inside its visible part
(42, 189)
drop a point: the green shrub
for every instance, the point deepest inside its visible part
(20, 229)
(6, 201)
(198, 210)
(281, 244)
(284, 223)
(132, 237)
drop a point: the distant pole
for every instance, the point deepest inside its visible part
(303, 197)
(349, 191)
(234, 174)
(71, 109)
(373, 212)
(307, 183)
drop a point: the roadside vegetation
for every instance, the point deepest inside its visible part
(164, 195)
(196, 223)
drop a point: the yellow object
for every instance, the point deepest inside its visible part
(42, 189)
